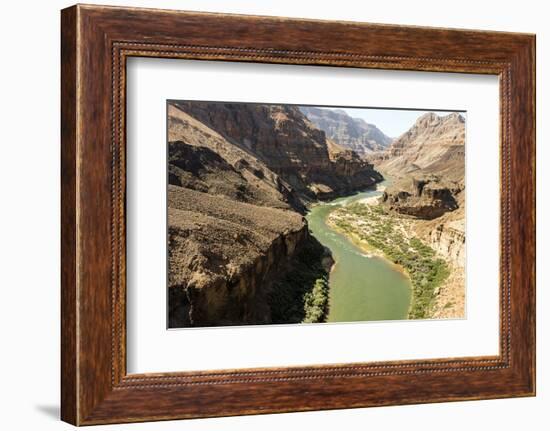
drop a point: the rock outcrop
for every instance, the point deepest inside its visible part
(351, 133)
(426, 198)
(446, 235)
(449, 239)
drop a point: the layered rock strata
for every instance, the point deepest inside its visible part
(288, 145)
(351, 133)
(425, 198)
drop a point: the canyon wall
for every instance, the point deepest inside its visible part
(427, 166)
(448, 239)
(223, 257)
(351, 133)
(433, 144)
(202, 159)
(287, 144)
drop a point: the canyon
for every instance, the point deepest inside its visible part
(242, 177)
(307, 164)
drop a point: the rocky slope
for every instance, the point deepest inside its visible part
(289, 145)
(202, 159)
(239, 176)
(427, 167)
(223, 256)
(351, 133)
(434, 144)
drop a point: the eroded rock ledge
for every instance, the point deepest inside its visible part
(426, 197)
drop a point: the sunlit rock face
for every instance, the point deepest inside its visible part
(350, 133)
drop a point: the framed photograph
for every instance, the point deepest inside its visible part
(264, 214)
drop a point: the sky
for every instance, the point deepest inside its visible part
(393, 122)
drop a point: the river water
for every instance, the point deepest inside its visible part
(362, 287)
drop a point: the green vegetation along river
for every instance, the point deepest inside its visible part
(362, 286)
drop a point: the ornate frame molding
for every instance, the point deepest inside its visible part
(96, 41)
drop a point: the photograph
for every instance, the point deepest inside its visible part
(293, 214)
(275, 215)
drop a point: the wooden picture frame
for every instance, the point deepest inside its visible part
(96, 41)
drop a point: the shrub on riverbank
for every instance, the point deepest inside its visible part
(380, 230)
(316, 301)
(301, 295)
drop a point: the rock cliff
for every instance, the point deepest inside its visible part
(426, 197)
(351, 133)
(446, 235)
(448, 239)
(288, 145)
(224, 256)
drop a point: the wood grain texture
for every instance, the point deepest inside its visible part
(69, 397)
(96, 41)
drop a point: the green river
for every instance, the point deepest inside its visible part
(362, 286)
